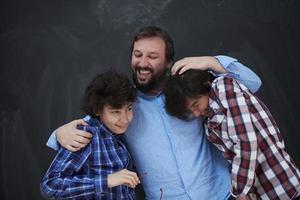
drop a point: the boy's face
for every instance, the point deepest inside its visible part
(198, 105)
(116, 119)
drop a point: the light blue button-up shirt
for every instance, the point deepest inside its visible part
(173, 157)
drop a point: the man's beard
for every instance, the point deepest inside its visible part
(154, 82)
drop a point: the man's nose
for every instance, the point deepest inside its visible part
(144, 62)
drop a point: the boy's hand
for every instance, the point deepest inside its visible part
(71, 138)
(123, 177)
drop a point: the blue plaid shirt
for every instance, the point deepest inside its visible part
(83, 174)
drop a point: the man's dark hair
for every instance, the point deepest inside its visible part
(189, 84)
(152, 31)
(109, 88)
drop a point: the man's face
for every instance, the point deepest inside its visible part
(148, 63)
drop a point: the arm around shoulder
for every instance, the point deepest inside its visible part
(240, 72)
(69, 137)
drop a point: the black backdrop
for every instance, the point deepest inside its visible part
(51, 49)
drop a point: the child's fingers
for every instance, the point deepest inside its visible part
(134, 175)
(129, 181)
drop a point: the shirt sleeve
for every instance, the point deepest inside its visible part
(242, 133)
(65, 178)
(52, 141)
(240, 72)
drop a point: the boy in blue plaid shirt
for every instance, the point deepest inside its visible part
(101, 169)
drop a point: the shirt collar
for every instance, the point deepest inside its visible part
(215, 106)
(149, 96)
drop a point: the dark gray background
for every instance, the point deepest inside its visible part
(51, 49)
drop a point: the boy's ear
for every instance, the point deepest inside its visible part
(208, 83)
(97, 112)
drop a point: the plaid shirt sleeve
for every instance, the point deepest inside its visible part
(241, 132)
(62, 180)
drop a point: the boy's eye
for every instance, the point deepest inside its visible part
(195, 106)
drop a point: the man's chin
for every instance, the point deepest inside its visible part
(145, 87)
(143, 81)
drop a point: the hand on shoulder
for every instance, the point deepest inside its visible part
(71, 138)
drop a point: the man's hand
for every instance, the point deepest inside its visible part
(123, 177)
(71, 138)
(201, 63)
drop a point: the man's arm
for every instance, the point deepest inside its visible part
(69, 136)
(220, 65)
(240, 72)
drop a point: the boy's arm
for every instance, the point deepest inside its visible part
(220, 65)
(242, 132)
(69, 136)
(61, 180)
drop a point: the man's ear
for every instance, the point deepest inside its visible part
(169, 65)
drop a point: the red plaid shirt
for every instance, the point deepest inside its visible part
(242, 127)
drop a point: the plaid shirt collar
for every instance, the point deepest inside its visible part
(216, 112)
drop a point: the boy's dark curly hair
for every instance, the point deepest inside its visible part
(109, 88)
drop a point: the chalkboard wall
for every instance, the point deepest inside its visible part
(50, 50)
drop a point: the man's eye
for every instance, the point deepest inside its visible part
(153, 57)
(115, 111)
(138, 55)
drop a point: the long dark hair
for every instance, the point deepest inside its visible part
(190, 84)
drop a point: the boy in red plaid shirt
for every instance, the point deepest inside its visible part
(242, 127)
